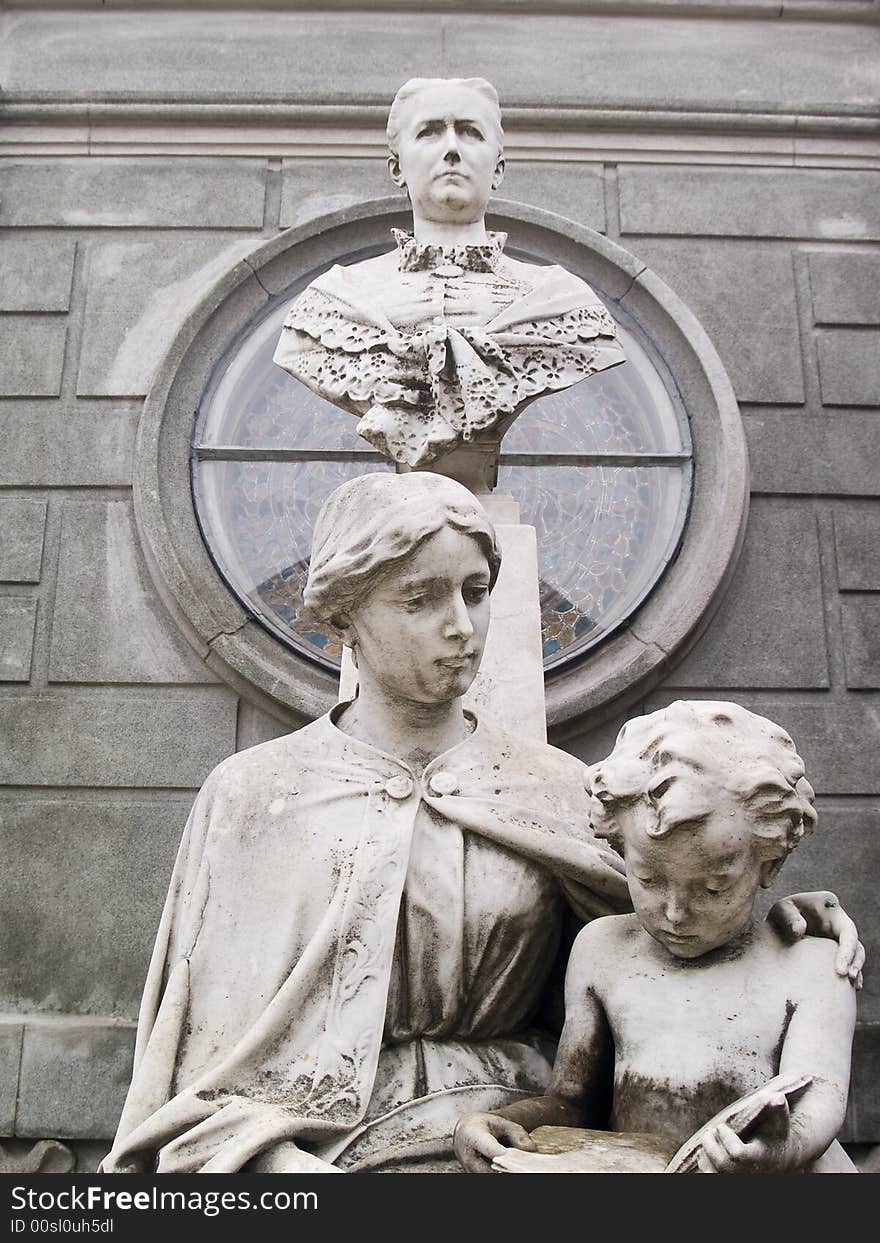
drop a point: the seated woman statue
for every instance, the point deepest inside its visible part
(365, 914)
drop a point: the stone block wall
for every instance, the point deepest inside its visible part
(146, 149)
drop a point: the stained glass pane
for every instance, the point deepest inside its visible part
(604, 536)
(258, 518)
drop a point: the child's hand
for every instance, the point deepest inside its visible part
(723, 1152)
(478, 1138)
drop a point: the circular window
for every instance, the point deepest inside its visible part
(601, 470)
(636, 479)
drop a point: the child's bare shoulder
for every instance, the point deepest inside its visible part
(807, 967)
(811, 958)
(603, 943)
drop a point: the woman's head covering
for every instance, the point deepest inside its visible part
(375, 521)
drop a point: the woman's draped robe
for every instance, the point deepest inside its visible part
(350, 956)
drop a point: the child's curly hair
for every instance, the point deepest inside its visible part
(678, 758)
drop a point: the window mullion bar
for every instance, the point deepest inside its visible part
(250, 453)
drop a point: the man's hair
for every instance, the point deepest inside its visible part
(677, 759)
(416, 85)
(374, 523)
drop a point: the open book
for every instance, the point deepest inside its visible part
(574, 1150)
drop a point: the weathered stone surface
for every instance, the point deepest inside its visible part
(22, 522)
(849, 366)
(109, 624)
(838, 741)
(663, 61)
(160, 738)
(35, 272)
(856, 539)
(595, 745)
(573, 190)
(251, 56)
(66, 446)
(17, 617)
(741, 292)
(10, 1057)
(863, 1117)
(750, 202)
(311, 188)
(31, 355)
(106, 864)
(139, 294)
(792, 452)
(769, 629)
(747, 65)
(860, 621)
(46, 1156)
(255, 726)
(74, 1076)
(134, 192)
(845, 287)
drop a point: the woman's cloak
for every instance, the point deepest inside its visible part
(264, 1013)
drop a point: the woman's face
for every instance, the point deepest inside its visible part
(420, 632)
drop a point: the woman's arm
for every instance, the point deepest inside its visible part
(821, 915)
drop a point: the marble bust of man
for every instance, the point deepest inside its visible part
(445, 339)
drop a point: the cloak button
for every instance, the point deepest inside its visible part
(443, 783)
(399, 787)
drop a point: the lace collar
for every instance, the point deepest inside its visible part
(413, 257)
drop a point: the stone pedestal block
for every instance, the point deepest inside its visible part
(17, 617)
(31, 355)
(126, 193)
(73, 1078)
(22, 523)
(856, 540)
(849, 366)
(101, 738)
(844, 287)
(36, 273)
(108, 624)
(860, 617)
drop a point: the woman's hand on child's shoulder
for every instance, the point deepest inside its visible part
(821, 915)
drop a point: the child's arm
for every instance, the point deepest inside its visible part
(818, 1043)
(579, 1090)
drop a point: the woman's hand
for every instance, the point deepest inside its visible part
(480, 1137)
(821, 915)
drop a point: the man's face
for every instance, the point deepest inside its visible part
(448, 154)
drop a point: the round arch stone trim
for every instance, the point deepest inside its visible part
(632, 659)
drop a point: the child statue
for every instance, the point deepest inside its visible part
(691, 1009)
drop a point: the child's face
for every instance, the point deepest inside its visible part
(694, 889)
